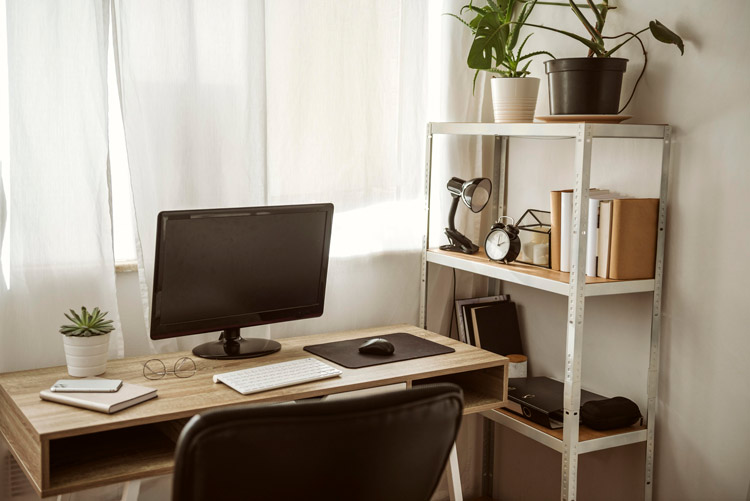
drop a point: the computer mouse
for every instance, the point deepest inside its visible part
(377, 346)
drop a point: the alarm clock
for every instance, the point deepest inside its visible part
(502, 243)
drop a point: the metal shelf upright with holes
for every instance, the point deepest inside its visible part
(575, 438)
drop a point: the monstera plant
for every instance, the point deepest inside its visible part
(495, 49)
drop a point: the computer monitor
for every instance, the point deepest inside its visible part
(223, 269)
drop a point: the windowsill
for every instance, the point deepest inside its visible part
(126, 266)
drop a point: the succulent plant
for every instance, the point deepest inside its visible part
(87, 324)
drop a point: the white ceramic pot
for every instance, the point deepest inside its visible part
(86, 356)
(514, 99)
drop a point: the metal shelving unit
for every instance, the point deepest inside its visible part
(575, 439)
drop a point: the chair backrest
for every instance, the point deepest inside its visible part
(388, 446)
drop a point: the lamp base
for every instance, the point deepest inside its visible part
(459, 243)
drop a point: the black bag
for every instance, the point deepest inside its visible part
(616, 412)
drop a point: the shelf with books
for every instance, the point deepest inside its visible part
(584, 205)
(588, 439)
(545, 279)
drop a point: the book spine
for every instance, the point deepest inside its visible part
(75, 402)
(603, 238)
(591, 242)
(554, 199)
(566, 229)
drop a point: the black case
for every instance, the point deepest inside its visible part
(540, 399)
(615, 412)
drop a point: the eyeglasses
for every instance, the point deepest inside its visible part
(155, 368)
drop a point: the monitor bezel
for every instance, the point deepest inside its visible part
(160, 330)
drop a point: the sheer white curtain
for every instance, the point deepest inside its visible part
(192, 84)
(55, 222)
(254, 103)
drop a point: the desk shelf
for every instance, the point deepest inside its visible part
(65, 449)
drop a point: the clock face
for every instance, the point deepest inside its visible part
(497, 245)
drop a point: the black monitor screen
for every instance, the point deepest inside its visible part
(227, 268)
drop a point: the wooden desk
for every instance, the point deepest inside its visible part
(65, 449)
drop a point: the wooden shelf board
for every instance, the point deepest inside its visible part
(534, 276)
(585, 433)
(86, 461)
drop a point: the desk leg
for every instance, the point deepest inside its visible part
(130, 490)
(454, 478)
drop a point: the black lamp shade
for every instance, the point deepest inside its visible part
(475, 193)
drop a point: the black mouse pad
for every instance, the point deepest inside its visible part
(406, 347)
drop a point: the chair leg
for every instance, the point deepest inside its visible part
(454, 477)
(131, 490)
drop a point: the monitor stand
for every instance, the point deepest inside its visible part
(232, 346)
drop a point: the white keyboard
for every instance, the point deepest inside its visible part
(268, 377)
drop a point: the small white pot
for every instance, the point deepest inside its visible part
(514, 99)
(86, 356)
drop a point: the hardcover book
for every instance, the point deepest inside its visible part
(109, 403)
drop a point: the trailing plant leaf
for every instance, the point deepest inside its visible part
(588, 43)
(665, 35)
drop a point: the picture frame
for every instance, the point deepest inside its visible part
(463, 320)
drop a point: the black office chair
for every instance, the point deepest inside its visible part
(391, 446)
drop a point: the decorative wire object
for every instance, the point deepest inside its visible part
(155, 368)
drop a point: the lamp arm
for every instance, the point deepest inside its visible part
(452, 213)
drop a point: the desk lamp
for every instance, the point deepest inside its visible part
(475, 193)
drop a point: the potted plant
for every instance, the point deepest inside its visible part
(591, 85)
(86, 342)
(496, 28)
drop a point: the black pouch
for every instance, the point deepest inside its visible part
(609, 413)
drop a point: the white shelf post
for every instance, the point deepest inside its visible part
(576, 300)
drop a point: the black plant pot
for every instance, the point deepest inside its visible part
(585, 85)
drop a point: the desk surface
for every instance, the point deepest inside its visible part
(64, 449)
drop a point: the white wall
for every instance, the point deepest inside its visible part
(702, 437)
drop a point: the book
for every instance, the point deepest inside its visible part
(592, 243)
(496, 328)
(566, 228)
(541, 399)
(604, 238)
(555, 218)
(463, 315)
(632, 252)
(109, 403)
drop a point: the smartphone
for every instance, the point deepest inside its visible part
(97, 385)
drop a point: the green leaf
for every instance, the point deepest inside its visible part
(665, 35)
(537, 53)
(489, 43)
(76, 319)
(586, 24)
(522, 45)
(461, 20)
(522, 17)
(597, 15)
(597, 48)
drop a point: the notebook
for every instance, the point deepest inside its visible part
(109, 403)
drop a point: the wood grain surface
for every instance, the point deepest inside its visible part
(64, 449)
